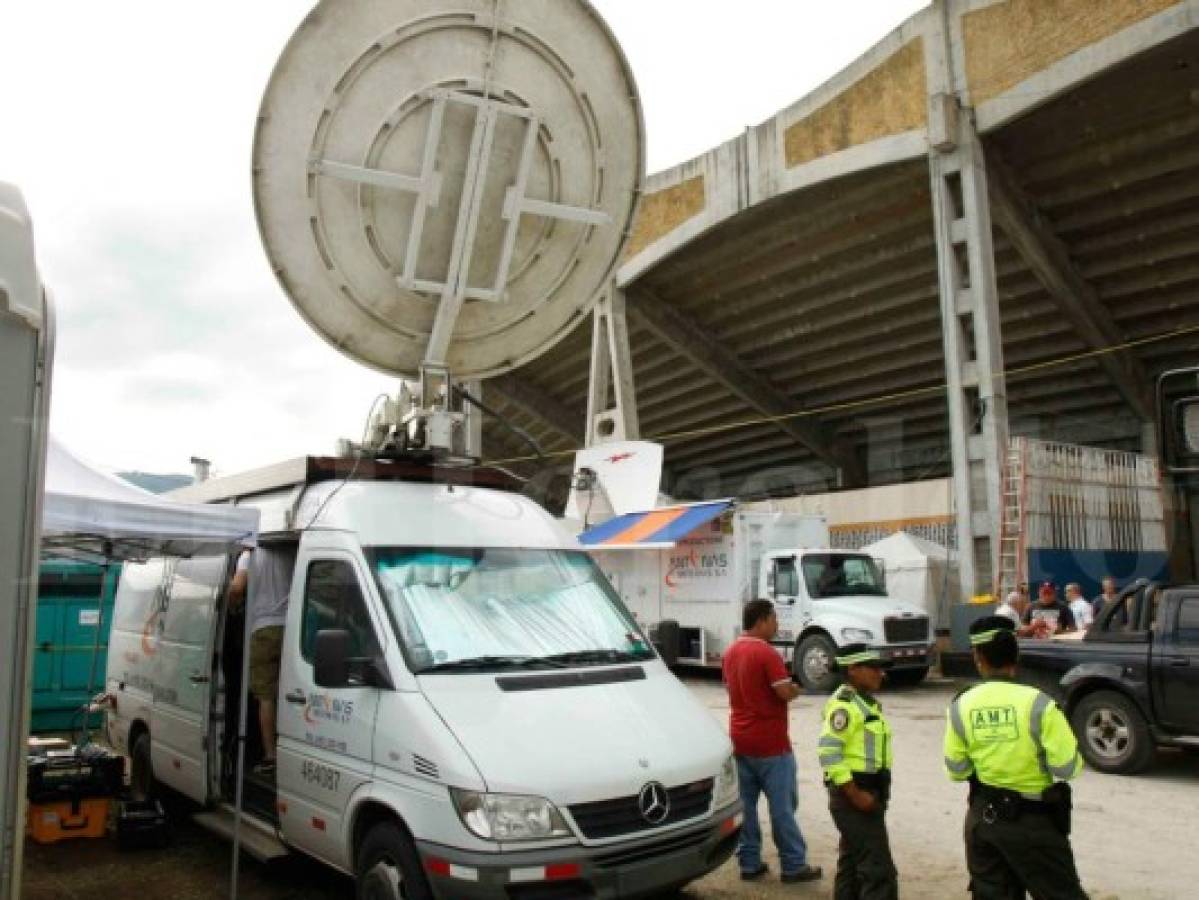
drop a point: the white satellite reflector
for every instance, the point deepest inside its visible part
(448, 184)
(626, 478)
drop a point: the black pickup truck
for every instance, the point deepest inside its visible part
(1131, 683)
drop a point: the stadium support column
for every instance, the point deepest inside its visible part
(977, 396)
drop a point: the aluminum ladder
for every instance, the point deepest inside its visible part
(1013, 562)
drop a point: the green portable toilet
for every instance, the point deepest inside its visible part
(68, 607)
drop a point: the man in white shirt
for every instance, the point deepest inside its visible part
(1080, 607)
(1013, 607)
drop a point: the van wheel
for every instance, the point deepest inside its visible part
(815, 664)
(1112, 733)
(389, 867)
(141, 769)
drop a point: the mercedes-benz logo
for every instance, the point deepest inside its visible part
(654, 803)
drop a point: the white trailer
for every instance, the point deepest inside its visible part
(704, 578)
(697, 565)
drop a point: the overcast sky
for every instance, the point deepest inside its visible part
(128, 125)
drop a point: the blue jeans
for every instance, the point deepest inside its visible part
(773, 776)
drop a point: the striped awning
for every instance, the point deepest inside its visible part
(654, 528)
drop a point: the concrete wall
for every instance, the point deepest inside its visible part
(860, 517)
(1009, 42)
(1019, 54)
(888, 100)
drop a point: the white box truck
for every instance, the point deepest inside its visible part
(465, 707)
(697, 565)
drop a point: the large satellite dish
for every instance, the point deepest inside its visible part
(447, 183)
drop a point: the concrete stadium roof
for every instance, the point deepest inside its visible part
(794, 268)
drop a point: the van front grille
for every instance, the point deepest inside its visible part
(612, 818)
(644, 852)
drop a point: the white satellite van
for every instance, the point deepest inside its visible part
(466, 708)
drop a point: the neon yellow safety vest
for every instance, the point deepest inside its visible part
(1011, 736)
(855, 736)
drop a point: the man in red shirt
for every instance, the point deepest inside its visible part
(759, 691)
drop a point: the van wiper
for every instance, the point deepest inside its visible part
(596, 656)
(483, 663)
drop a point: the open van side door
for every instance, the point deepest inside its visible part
(183, 678)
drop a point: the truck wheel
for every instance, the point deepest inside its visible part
(815, 664)
(907, 677)
(389, 867)
(1112, 733)
(141, 769)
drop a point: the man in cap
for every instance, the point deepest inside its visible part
(855, 753)
(1015, 747)
(1048, 616)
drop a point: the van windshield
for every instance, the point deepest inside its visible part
(842, 574)
(487, 609)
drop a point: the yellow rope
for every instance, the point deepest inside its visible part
(1056, 362)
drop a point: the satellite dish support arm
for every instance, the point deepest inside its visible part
(611, 396)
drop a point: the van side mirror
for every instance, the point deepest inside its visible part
(331, 658)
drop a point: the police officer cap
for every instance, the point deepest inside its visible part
(860, 655)
(983, 631)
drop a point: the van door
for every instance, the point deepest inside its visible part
(183, 679)
(133, 647)
(326, 736)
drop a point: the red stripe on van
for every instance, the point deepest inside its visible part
(318, 824)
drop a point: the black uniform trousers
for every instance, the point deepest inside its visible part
(865, 870)
(1008, 858)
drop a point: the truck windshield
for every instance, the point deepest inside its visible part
(841, 574)
(464, 610)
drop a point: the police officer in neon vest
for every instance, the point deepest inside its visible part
(855, 753)
(1015, 747)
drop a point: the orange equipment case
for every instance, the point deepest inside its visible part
(48, 823)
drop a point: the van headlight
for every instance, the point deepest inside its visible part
(727, 789)
(508, 817)
(856, 635)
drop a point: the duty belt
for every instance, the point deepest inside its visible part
(998, 804)
(879, 782)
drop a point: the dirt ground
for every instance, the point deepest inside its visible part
(1133, 837)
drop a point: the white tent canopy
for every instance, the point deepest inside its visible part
(93, 515)
(918, 571)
